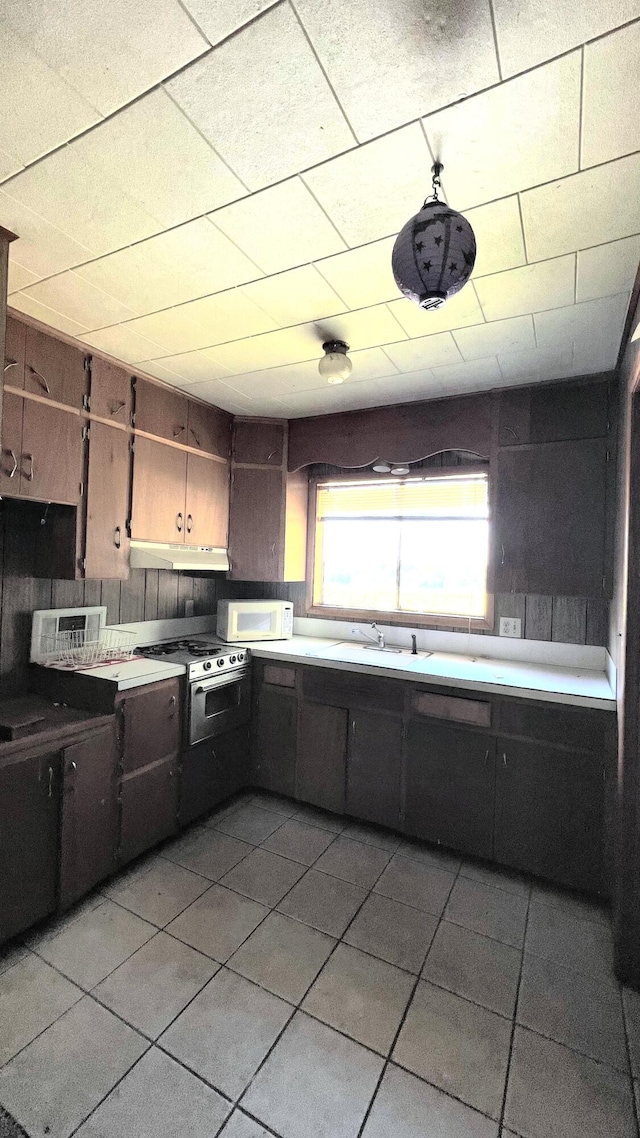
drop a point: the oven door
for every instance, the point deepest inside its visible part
(219, 704)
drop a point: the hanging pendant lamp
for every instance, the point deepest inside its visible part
(435, 252)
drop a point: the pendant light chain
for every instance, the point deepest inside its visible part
(436, 184)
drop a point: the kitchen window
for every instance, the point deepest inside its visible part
(413, 547)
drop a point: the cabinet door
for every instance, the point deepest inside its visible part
(450, 787)
(14, 352)
(110, 391)
(321, 761)
(55, 370)
(150, 723)
(261, 443)
(107, 541)
(89, 817)
(209, 429)
(159, 485)
(207, 519)
(161, 411)
(550, 518)
(549, 413)
(256, 524)
(211, 771)
(149, 807)
(550, 813)
(52, 449)
(12, 407)
(274, 740)
(29, 793)
(374, 767)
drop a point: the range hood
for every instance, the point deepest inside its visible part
(157, 555)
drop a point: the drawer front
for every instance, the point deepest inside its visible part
(149, 809)
(150, 723)
(281, 677)
(578, 727)
(453, 708)
(347, 689)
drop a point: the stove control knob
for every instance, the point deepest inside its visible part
(220, 661)
(207, 665)
(240, 657)
(232, 659)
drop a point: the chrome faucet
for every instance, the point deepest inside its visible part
(379, 637)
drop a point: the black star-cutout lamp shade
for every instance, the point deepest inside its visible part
(434, 253)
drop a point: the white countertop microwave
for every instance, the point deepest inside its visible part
(254, 620)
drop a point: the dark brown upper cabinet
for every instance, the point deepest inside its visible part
(161, 411)
(10, 467)
(159, 481)
(259, 442)
(107, 540)
(42, 451)
(110, 392)
(209, 429)
(15, 345)
(548, 414)
(55, 370)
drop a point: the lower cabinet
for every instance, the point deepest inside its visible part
(374, 767)
(149, 723)
(321, 765)
(149, 807)
(450, 786)
(211, 771)
(274, 739)
(30, 798)
(89, 815)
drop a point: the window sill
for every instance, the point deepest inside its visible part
(406, 620)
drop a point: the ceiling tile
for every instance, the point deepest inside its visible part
(611, 103)
(81, 201)
(519, 134)
(390, 61)
(262, 100)
(187, 367)
(474, 375)
(49, 114)
(589, 358)
(154, 154)
(19, 277)
(49, 316)
(294, 297)
(42, 248)
(365, 328)
(123, 343)
(371, 192)
(460, 310)
(352, 396)
(608, 269)
(182, 264)
(529, 32)
(222, 395)
(499, 238)
(589, 208)
(492, 339)
(219, 20)
(78, 300)
(537, 365)
(201, 323)
(588, 325)
(426, 352)
(109, 52)
(280, 227)
(532, 288)
(8, 165)
(362, 276)
(371, 363)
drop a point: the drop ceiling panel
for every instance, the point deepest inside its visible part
(372, 191)
(532, 288)
(263, 101)
(222, 395)
(49, 113)
(280, 227)
(78, 300)
(201, 323)
(48, 316)
(184, 368)
(460, 310)
(426, 352)
(529, 32)
(611, 99)
(371, 363)
(219, 19)
(19, 277)
(589, 357)
(294, 297)
(589, 208)
(539, 364)
(499, 236)
(362, 276)
(474, 375)
(8, 165)
(123, 343)
(519, 134)
(608, 269)
(154, 154)
(389, 61)
(109, 52)
(493, 339)
(588, 324)
(42, 248)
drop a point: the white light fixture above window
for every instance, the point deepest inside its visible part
(381, 467)
(335, 365)
(400, 470)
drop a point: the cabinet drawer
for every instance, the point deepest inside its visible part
(149, 807)
(347, 689)
(451, 707)
(577, 727)
(150, 723)
(282, 677)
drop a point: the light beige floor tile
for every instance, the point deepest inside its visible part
(631, 1003)
(299, 841)
(324, 902)
(263, 876)
(314, 816)
(240, 1126)
(586, 946)
(499, 878)
(32, 996)
(361, 996)
(35, 937)
(10, 954)
(424, 886)
(157, 890)
(372, 836)
(406, 1107)
(489, 911)
(226, 1031)
(283, 955)
(430, 855)
(53, 1084)
(571, 903)
(250, 823)
(475, 967)
(394, 932)
(207, 852)
(218, 922)
(155, 984)
(90, 947)
(461, 1048)
(275, 803)
(573, 1009)
(157, 1099)
(555, 1093)
(353, 861)
(315, 1082)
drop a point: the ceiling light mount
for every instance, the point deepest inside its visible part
(335, 365)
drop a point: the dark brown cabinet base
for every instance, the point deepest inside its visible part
(30, 798)
(211, 772)
(149, 807)
(89, 816)
(374, 768)
(274, 739)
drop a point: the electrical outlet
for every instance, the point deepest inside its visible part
(189, 606)
(510, 626)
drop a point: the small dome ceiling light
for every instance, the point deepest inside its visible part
(400, 469)
(381, 467)
(335, 365)
(434, 253)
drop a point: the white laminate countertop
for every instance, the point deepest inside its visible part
(133, 673)
(583, 687)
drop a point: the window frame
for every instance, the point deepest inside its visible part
(396, 616)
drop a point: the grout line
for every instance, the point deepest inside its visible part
(581, 108)
(515, 1018)
(494, 29)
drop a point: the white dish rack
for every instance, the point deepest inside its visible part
(83, 649)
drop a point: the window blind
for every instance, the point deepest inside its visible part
(459, 496)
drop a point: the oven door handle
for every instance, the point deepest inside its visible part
(222, 681)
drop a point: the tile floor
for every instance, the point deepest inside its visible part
(279, 971)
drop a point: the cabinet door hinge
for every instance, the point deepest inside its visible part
(131, 446)
(81, 489)
(85, 432)
(127, 526)
(83, 563)
(607, 455)
(87, 364)
(86, 403)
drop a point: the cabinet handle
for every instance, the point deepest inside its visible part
(50, 787)
(270, 455)
(9, 364)
(43, 383)
(179, 523)
(177, 431)
(502, 560)
(511, 431)
(116, 537)
(273, 549)
(117, 406)
(486, 756)
(198, 443)
(172, 705)
(29, 458)
(189, 523)
(12, 472)
(504, 759)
